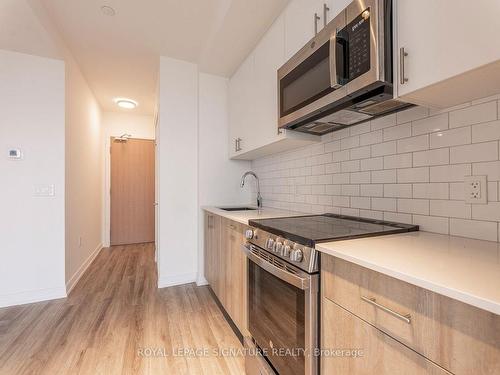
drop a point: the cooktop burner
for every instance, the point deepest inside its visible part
(312, 229)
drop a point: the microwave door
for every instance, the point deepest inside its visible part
(305, 82)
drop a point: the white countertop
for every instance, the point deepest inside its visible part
(244, 216)
(463, 269)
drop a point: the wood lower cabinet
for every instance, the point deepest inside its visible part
(235, 262)
(226, 266)
(458, 337)
(213, 254)
(352, 346)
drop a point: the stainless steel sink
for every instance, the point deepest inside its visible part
(237, 208)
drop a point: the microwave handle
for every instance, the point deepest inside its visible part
(334, 83)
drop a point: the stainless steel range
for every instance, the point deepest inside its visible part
(283, 287)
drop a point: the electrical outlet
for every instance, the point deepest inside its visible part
(476, 189)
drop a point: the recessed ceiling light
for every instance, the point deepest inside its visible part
(108, 11)
(126, 103)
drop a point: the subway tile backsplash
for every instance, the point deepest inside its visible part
(406, 167)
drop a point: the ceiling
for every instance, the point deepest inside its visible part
(22, 31)
(119, 55)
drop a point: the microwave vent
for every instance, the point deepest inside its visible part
(382, 107)
(320, 127)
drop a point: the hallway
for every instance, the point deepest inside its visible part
(116, 321)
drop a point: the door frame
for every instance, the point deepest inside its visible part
(107, 187)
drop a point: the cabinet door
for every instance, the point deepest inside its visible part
(335, 7)
(444, 39)
(371, 351)
(235, 301)
(212, 252)
(242, 106)
(299, 24)
(269, 56)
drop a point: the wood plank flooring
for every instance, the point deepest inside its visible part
(116, 321)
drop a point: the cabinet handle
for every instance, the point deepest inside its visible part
(316, 19)
(238, 144)
(210, 222)
(326, 9)
(402, 55)
(372, 301)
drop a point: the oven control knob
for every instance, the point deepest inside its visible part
(296, 255)
(277, 247)
(269, 243)
(249, 234)
(285, 252)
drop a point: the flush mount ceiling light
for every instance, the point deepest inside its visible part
(126, 103)
(108, 11)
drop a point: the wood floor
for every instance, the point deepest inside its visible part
(116, 321)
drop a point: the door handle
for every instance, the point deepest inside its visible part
(402, 55)
(326, 9)
(372, 301)
(302, 282)
(334, 82)
(316, 19)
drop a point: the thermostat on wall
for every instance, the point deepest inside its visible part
(15, 154)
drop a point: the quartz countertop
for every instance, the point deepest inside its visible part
(244, 216)
(464, 269)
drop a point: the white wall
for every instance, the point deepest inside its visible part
(178, 172)
(218, 178)
(115, 124)
(84, 175)
(31, 228)
(33, 32)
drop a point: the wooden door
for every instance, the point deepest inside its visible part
(132, 191)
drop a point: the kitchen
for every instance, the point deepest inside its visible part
(345, 223)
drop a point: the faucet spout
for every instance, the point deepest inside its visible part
(259, 197)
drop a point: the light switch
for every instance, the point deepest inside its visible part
(44, 190)
(15, 154)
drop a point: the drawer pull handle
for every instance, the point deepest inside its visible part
(405, 318)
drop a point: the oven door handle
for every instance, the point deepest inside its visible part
(302, 283)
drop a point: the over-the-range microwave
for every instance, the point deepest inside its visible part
(344, 75)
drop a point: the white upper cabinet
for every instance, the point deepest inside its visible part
(253, 101)
(241, 107)
(300, 24)
(269, 56)
(452, 50)
(335, 7)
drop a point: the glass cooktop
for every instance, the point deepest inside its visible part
(309, 230)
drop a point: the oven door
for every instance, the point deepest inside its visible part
(283, 312)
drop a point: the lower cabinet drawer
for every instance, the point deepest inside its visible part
(351, 346)
(459, 337)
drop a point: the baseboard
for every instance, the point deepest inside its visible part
(78, 274)
(180, 279)
(200, 281)
(32, 296)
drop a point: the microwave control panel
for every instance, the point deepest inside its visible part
(354, 43)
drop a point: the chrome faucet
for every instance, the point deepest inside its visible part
(259, 197)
